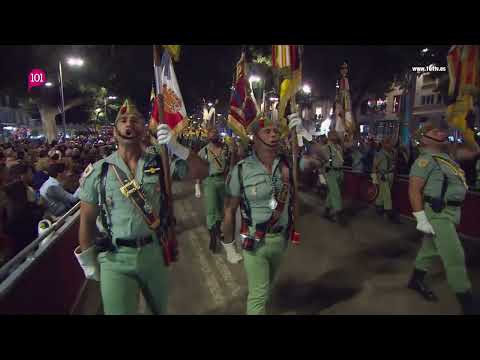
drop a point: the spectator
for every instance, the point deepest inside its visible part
(21, 217)
(58, 200)
(10, 158)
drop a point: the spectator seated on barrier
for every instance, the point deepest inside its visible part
(58, 200)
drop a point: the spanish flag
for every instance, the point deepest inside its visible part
(464, 72)
(287, 58)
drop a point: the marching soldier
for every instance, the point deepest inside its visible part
(437, 190)
(127, 190)
(218, 158)
(383, 174)
(332, 155)
(261, 185)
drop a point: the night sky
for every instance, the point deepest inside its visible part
(204, 71)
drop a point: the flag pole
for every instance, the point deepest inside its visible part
(170, 234)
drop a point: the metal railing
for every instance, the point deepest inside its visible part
(12, 270)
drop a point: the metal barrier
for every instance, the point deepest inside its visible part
(44, 278)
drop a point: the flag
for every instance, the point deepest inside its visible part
(242, 107)
(175, 113)
(288, 59)
(174, 51)
(464, 73)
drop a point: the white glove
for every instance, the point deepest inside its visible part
(322, 179)
(198, 193)
(89, 263)
(374, 178)
(423, 224)
(165, 137)
(294, 120)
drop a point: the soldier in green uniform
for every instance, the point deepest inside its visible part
(261, 185)
(218, 158)
(332, 155)
(437, 189)
(383, 173)
(132, 260)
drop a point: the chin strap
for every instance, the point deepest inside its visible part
(433, 139)
(264, 143)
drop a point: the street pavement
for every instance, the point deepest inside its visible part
(360, 269)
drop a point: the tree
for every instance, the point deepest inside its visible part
(106, 67)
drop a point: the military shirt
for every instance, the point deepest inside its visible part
(385, 161)
(432, 171)
(216, 164)
(335, 153)
(126, 220)
(259, 186)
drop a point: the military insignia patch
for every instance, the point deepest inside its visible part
(422, 163)
(88, 170)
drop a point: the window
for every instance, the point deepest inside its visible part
(423, 100)
(396, 103)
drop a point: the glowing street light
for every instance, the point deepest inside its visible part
(425, 50)
(306, 89)
(112, 98)
(75, 62)
(48, 84)
(254, 78)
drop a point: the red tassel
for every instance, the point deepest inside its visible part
(295, 238)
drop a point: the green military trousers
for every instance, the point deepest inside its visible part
(384, 197)
(261, 266)
(126, 272)
(446, 244)
(334, 180)
(214, 195)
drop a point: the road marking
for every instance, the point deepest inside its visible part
(209, 275)
(223, 269)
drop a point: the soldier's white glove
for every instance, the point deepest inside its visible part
(198, 193)
(322, 179)
(423, 224)
(165, 137)
(294, 120)
(89, 263)
(374, 178)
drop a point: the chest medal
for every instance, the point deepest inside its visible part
(273, 203)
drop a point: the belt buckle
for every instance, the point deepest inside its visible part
(129, 188)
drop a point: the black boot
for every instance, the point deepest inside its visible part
(417, 283)
(379, 210)
(393, 217)
(213, 239)
(327, 214)
(466, 302)
(341, 218)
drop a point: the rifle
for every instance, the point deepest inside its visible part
(170, 241)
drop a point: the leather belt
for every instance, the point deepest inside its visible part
(134, 243)
(429, 200)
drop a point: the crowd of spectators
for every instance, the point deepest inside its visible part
(41, 181)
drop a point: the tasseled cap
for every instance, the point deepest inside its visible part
(128, 108)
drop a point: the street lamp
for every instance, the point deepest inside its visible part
(71, 62)
(48, 84)
(306, 89)
(254, 78)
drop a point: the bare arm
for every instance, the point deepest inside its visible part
(231, 206)
(88, 217)
(415, 189)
